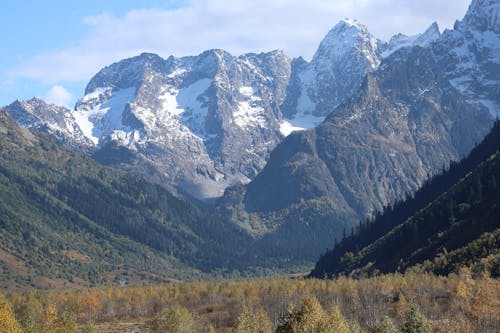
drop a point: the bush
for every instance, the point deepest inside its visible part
(8, 322)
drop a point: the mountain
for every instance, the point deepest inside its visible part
(57, 120)
(346, 54)
(203, 123)
(406, 122)
(450, 222)
(66, 220)
(299, 151)
(470, 54)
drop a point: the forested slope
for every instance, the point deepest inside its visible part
(66, 219)
(454, 216)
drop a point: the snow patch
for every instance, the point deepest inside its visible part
(195, 109)
(103, 118)
(246, 91)
(185, 108)
(249, 114)
(300, 122)
(307, 84)
(492, 107)
(177, 72)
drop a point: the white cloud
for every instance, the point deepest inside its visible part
(238, 26)
(59, 95)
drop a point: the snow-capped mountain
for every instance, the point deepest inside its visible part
(430, 99)
(335, 75)
(205, 122)
(209, 121)
(470, 53)
(57, 120)
(346, 54)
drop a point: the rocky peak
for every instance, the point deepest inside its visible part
(126, 73)
(483, 15)
(470, 53)
(346, 37)
(57, 120)
(400, 41)
(431, 34)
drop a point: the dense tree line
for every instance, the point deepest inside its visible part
(410, 303)
(66, 217)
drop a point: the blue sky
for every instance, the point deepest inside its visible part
(52, 48)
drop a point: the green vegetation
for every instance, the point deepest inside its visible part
(66, 220)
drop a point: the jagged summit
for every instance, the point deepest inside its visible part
(345, 55)
(471, 54)
(58, 120)
(400, 41)
(431, 34)
(483, 15)
(347, 35)
(211, 120)
(204, 121)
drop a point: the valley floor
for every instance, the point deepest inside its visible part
(457, 303)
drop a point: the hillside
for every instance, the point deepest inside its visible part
(64, 219)
(451, 221)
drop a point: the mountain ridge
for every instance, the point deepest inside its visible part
(450, 222)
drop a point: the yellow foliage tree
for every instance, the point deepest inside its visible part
(175, 319)
(8, 322)
(311, 318)
(249, 322)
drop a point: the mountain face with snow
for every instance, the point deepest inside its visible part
(205, 122)
(426, 101)
(57, 120)
(470, 54)
(335, 74)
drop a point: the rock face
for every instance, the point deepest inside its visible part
(427, 100)
(395, 112)
(57, 120)
(408, 122)
(470, 54)
(205, 122)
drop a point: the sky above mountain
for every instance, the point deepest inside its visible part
(52, 48)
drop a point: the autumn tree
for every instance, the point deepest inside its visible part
(175, 319)
(385, 326)
(250, 322)
(8, 322)
(415, 321)
(311, 318)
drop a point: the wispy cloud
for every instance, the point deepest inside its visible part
(238, 26)
(60, 96)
